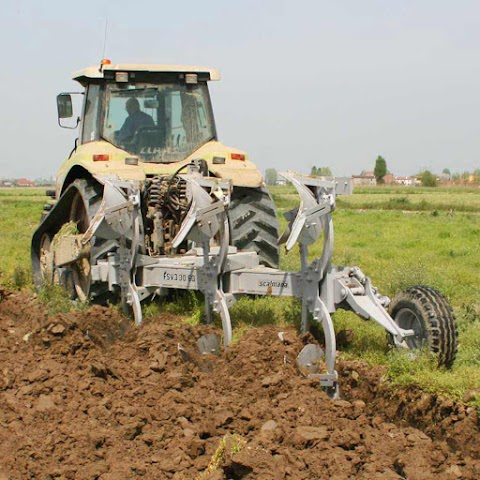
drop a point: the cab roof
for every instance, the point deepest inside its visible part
(95, 72)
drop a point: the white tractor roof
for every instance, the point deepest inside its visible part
(95, 72)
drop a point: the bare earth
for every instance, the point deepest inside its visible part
(88, 396)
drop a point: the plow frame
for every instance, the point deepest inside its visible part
(224, 274)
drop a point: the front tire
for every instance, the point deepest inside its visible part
(427, 312)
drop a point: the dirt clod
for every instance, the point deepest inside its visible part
(56, 329)
(268, 426)
(471, 395)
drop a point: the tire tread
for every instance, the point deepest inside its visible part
(254, 224)
(436, 316)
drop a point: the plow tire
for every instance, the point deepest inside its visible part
(254, 224)
(427, 312)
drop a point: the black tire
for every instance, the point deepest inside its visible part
(46, 259)
(254, 224)
(427, 312)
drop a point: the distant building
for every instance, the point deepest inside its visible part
(389, 179)
(444, 178)
(23, 182)
(367, 177)
(406, 181)
(281, 182)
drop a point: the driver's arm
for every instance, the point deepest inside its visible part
(125, 134)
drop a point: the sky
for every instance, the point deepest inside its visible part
(304, 83)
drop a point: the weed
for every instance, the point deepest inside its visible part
(69, 228)
(458, 253)
(185, 303)
(20, 278)
(403, 365)
(229, 445)
(407, 276)
(151, 309)
(470, 313)
(57, 300)
(399, 202)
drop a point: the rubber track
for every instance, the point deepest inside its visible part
(254, 224)
(437, 317)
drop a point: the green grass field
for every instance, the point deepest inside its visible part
(398, 236)
(20, 210)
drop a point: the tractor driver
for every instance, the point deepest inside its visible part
(136, 119)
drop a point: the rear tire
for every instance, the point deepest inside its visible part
(427, 312)
(85, 205)
(254, 224)
(80, 215)
(46, 259)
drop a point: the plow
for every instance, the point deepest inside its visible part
(171, 208)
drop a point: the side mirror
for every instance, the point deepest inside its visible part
(65, 110)
(149, 103)
(64, 105)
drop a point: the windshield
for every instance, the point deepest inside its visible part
(159, 123)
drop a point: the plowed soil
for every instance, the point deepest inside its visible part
(88, 396)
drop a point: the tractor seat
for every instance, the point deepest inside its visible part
(149, 137)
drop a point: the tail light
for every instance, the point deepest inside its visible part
(101, 157)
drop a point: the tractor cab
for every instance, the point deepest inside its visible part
(158, 113)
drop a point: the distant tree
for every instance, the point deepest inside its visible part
(455, 177)
(324, 172)
(271, 176)
(380, 169)
(44, 182)
(465, 177)
(321, 172)
(428, 179)
(446, 171)
(476, 175)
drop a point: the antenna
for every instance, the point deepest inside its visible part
(103, 61)
(105, 38)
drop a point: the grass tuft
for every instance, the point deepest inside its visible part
(57, 300)
(229, 445)
(21, 277)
